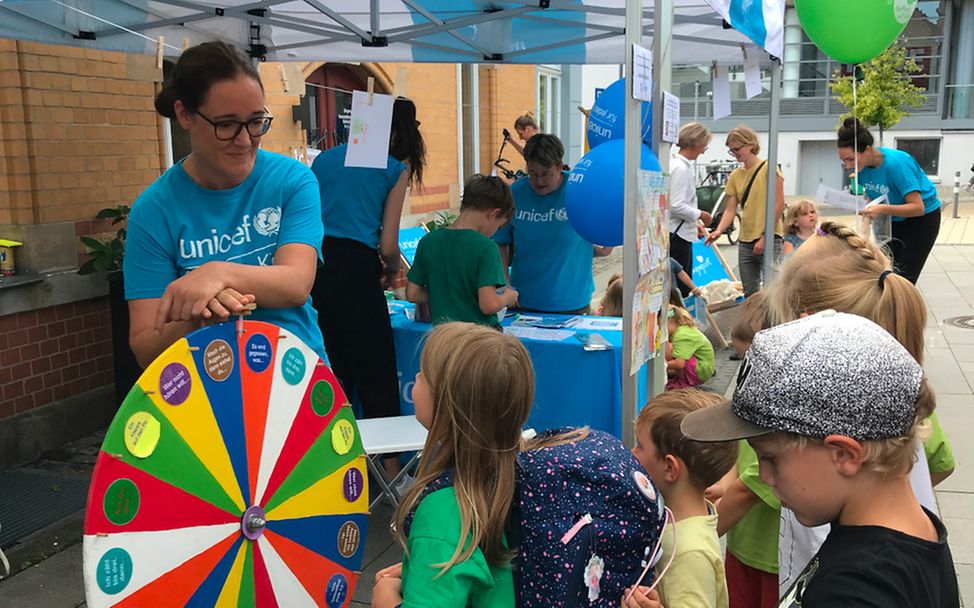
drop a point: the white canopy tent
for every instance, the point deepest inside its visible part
(451, 31)
(443, 31)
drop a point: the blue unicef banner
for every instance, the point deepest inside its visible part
(409, 241)
(706, 265)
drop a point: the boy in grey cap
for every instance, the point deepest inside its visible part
(832, 405)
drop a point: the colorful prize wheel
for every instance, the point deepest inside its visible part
(233, 475)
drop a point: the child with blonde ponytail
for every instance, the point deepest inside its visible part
(473, 392)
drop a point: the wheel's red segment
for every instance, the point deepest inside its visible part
(179, 584)
(311, 569)
(263, 592)
(308, 426)
(256, 387)
(157, 506)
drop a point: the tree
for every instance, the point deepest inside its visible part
(885, 90)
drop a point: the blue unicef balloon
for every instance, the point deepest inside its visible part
(607, 120)
(594, 194)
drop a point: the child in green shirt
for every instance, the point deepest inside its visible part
(689, 354)
(458, 269)
(473, 392)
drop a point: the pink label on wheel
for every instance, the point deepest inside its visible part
(174, 383)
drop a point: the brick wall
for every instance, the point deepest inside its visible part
(78, 131)
(54, 353)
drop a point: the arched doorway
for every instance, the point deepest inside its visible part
(329, 102)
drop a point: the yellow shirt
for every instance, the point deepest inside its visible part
(696, 578)
(752, 214)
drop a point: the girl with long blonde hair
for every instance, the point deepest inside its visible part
(473, 392)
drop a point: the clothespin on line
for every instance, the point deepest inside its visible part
(713, 69)
(185, 43)
(371, 88)
(744, 51)
(160, 48)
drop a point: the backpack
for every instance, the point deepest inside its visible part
(584, 521)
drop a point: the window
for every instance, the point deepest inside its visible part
(549, 99)
(925, 151)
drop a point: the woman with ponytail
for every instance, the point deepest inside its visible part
(361, 209)
(911, 198)
(227, 226)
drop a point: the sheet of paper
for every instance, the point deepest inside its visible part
(671, 117)
(843, 199)
(642, 72)
(752, 73)
(721, 99)
(600, 324)
(368, 137)
(535, 333)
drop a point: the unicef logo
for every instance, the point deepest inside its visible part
(561, 215)
(268, 221)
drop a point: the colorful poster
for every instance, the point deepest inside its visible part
(653, 287)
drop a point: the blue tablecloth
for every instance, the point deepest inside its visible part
(574, 387)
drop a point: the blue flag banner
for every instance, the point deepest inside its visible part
(763, 21)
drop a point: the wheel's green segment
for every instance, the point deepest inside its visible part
(247, 598)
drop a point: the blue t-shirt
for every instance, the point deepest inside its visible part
(176, 225)
(899, 175)
(675, 269)
(552, 265)
(353, 198)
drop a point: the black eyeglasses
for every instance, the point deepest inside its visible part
(738, 148)
(226, 130)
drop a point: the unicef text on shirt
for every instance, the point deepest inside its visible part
(527, 215)
(216, 243)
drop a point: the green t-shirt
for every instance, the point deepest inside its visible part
(940, 454)
(690, 341)
(433, 538)
(453, 264)
(754, 540)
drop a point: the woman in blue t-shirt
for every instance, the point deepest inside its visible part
(361, 209)
(551, 265)
(911, 198)
(227, 226)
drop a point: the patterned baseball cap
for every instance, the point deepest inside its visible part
(831, 373)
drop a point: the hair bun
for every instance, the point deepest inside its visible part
(166, 101)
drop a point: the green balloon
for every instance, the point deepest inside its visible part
(854, 31)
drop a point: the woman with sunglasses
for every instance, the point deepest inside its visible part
(747, 187)
(227, 226)
(361, 209)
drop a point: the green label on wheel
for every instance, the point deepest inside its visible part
(293, 366)
(322, 398)
(114, 571)
(121, 502)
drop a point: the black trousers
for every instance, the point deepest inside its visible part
(354, 319)
(682, 252)
(913, 238)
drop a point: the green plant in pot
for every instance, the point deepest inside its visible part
(107, 256)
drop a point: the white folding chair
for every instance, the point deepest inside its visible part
(389, 436)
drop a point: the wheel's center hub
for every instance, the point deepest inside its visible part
(253, 522)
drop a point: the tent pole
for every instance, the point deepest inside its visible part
(630, 269)
(662, 81)
(770, 216)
